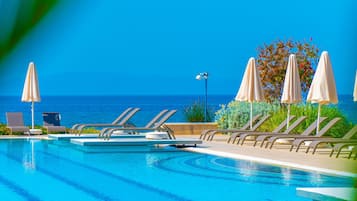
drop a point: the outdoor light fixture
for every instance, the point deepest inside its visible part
(204, 76)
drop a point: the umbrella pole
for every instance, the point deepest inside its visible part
(33, 115)
(318, 119)
(251, 116)
(287, 120)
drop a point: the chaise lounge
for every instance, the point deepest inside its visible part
(340, 146)
(52, 122)
(347, 138)
(15, 123)
(156, 124)
(235, 132)
(242, 138)
(210, 132)
(303, 138)
(120, 121)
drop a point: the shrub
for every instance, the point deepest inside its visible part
(196, 113)
(341, 127)
(4, 130)
(310, 111)
(90, 130)
(236, 114)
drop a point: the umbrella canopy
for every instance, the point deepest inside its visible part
(323, 87)
(292, 86)
(355, 90)
(31, 92)
(250, 89)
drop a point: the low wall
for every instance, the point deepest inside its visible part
(188, 128)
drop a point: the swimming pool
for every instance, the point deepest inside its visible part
(42, 170)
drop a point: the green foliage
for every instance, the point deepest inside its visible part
(90, 130)
(196, 113)
(276, 118)
(4, 130)
(310, 111)
(272, 61)
(341, 127)
(236, 114)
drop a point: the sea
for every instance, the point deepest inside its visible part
(104, 109)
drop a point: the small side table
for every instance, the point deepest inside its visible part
(35, 131)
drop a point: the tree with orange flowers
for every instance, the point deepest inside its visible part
(272, 61)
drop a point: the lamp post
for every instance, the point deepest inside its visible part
(204, 76)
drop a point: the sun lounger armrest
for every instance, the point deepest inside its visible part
(204, 133)
(244, 135)
(75, 126)
(99, 125)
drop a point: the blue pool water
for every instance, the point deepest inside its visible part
(37, 170)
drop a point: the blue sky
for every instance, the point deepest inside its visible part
(130, 47)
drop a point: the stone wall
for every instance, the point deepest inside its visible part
(190, 128)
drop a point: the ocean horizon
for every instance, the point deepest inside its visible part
(104, 109)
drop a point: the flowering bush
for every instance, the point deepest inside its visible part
(272, 61)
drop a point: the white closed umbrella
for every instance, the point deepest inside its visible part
(292, 86)
(250, 89)
(355, 89)
(323, 88)
(31, 92)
